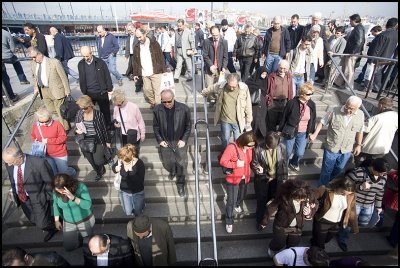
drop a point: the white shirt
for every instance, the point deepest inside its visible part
(15, 173)
(145, 58)
(286, 256)
(45, 81)
(301, 65)
(102, 259)
(166, 42)
(230, 36)
(131, 39)
(339, 204)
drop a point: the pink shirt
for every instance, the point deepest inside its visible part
(304, 120)
(132, 119)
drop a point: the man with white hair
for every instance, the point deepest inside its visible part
(276, 45)
(345, 128)
(315, 20)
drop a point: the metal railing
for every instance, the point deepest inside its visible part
(200, 260)
(351, 88)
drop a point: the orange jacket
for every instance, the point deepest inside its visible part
(229, 159)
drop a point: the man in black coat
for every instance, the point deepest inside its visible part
(95, 81)
(172, 126)
(64, 51)
(30, 178)
(107, 250)
(295, 31)
(215, 61)
(385, 46)
(19, 257)
(37, 39)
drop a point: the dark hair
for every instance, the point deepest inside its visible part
(317, 256)
(104, 239)
(356, 18)
(214, 27)
(180, 21)
(295, 16)
(197, 24)
(333, 23)
(30, 26)
(306, 38)
(342, 184)
(380, 165)
(62, 180)
(376, 28)
(340, 29)
(392, 22)
(293, 189)
(272, 139)
(10, 255)
(163, 27)
(246, 138)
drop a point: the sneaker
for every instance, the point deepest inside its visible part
(25, 83)
(120, 83)
(238, 209)
(229, 228)
(293, 167)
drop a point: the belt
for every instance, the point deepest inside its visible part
(297, 74)
(81, 221)
(273, 53)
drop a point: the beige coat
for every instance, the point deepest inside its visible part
(58, 81)
(187, 42)
(244, 112)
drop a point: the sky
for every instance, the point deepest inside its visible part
(336, 9)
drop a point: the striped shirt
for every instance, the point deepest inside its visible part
(372, 195)
(90, 130)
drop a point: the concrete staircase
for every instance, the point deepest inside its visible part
(245, 246)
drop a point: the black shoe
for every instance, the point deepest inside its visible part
(16, 98)
(171, 176)
(138, 89)
(176, 80)
(49, 235)
(25, 83)
(342, 245)
(181, 191)
(259, 227)
(189, 79)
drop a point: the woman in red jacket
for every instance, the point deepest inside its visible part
(237, 156)
(53, 134)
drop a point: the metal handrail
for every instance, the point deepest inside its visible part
(211, 191)
(351, 88)
(20, 122)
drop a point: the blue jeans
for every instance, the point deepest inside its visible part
(272, 62)
(332, 165)
(299, 143)
(133, 204)
(226, 129)
(312, 73)
(69, 71)
(298, 80)
(111, 62)
(235, 197)
(60, 165)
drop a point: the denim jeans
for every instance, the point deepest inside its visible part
(133, 204)
(60, 165)
(332, 165)
(312, 73)
(69, 71)
(298, 80)
(272, 62)
(226, 129)
(112, 66)
(297, 145)
(235, 196)
(169, 61)
(17, 67)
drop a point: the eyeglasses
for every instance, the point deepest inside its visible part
(309, 94)
(85, 108)
(45, 122)
(170, 101)
(250, 145)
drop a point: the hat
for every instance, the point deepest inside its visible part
(141, 224)
(224, 22)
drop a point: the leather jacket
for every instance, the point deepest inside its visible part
(246, 46)
(355, 41)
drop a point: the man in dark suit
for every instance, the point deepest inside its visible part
(107, 250)
(64, 51)
(215, 53)
(30, 178)
(295, 31)
(172, 125)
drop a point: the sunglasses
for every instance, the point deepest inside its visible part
(170, 101)
(85, 108)
(44, 122)
(309, 94)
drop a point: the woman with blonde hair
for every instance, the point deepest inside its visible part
(92, 135)
(132, 172)
(129, 120)
(52, 133)
(297, 123)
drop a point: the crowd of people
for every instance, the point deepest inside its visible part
(270, 113)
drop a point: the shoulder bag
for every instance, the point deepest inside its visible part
(131, 133)
(38, 148)
(117, 180)
(228, 171)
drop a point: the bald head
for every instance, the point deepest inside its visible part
(86, 53)
(12, 156)
(53, 31)
(101, 30)
(276, 22)
(98, 244)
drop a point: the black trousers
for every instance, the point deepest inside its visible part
(38, 214)
(285, 238)
(322, 232)
(245, 64)
(274, 113)
(265, 190)
(175, 162)
(104, 105)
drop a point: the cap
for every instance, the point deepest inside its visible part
(141, 224)
(224, 22)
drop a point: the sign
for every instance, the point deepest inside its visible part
(241, 20)
(190, 14)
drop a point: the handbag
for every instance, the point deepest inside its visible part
(69, 109)
(229, 171)
(38, 148)
(132, 134)
(117, 180)
(256, 97)
(288, 132)
(88, 144)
